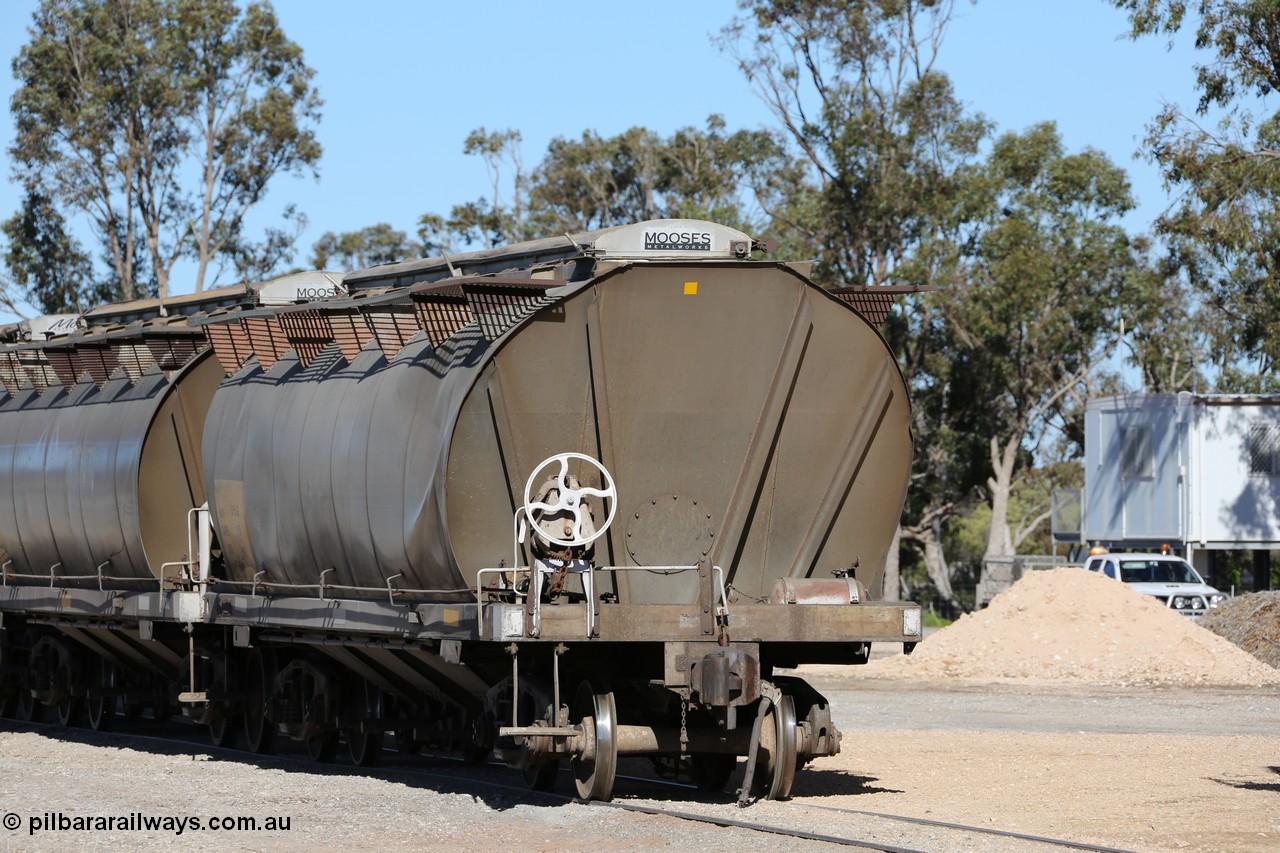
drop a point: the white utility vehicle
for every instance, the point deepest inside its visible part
(1163, 576)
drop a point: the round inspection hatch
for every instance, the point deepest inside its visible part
(670, 529)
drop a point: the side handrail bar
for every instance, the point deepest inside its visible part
(480, 589)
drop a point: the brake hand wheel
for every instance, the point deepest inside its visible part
(569, 500)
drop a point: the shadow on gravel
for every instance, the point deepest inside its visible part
(812, 782)
(492, 784)
(496, 786)
(1273, 787)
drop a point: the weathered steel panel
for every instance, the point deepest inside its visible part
(338, 467)
(102, 475)
(775, 413)
(743, 391)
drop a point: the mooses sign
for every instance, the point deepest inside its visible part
(671, 238)
(301, 287)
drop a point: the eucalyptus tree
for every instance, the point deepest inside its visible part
(856, 88)
(743, 178)
(1168, 333)
(888, 197)
(1223, 158)
(162, 122)
(47, 265)
(1039, 306)
(354, 250)
(699, 173)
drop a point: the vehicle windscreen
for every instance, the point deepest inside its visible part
(1156, 571)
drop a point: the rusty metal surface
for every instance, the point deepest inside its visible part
(874, 302)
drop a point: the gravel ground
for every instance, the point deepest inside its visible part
(1120, 723)
(1153, 769)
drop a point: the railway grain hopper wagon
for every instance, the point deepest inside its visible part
(562, 502)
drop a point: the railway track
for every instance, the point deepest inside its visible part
(847, 827)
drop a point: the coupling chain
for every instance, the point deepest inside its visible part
(684, 728)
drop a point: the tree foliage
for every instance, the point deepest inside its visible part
(354, 250)
(47, 264)
(889, 195)
(1167, 339)
(855, 87)
(1225, 162)
(740, 179)
(1039, 306)
(162, 122)
(706, 173)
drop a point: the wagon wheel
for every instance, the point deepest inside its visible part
(594, 769)
(70, 711)
(364, 740)
(223, 731)
(324, 746)
(778, 737)
(259, 685)
(541, 776)
(102, 700)
(27, 708)
(224, 728)
(711, 770)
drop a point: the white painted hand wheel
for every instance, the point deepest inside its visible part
(570, 500)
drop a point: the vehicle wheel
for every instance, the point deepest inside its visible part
(9, 696)
(323, 747)
(259, 682)
(406, 743)
(223, 731)
(102, 706)
(27, 708)
(595, 769)
(778, 737)
(364, 741)
(479, 739)
(70, 711)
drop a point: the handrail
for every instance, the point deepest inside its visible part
(589, 583)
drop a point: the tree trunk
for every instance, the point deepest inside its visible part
(999, 484)
(891, 581)
(935, 562)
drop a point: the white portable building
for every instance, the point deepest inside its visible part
(1196, 472)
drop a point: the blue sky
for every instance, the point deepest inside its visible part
(404, 82)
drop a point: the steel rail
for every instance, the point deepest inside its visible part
(195, 733)
(1004, 833)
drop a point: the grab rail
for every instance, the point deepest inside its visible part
(588, 584)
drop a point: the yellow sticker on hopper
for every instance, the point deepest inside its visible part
(690, 288)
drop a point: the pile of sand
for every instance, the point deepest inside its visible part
(1072, 625)
(1252, 622)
